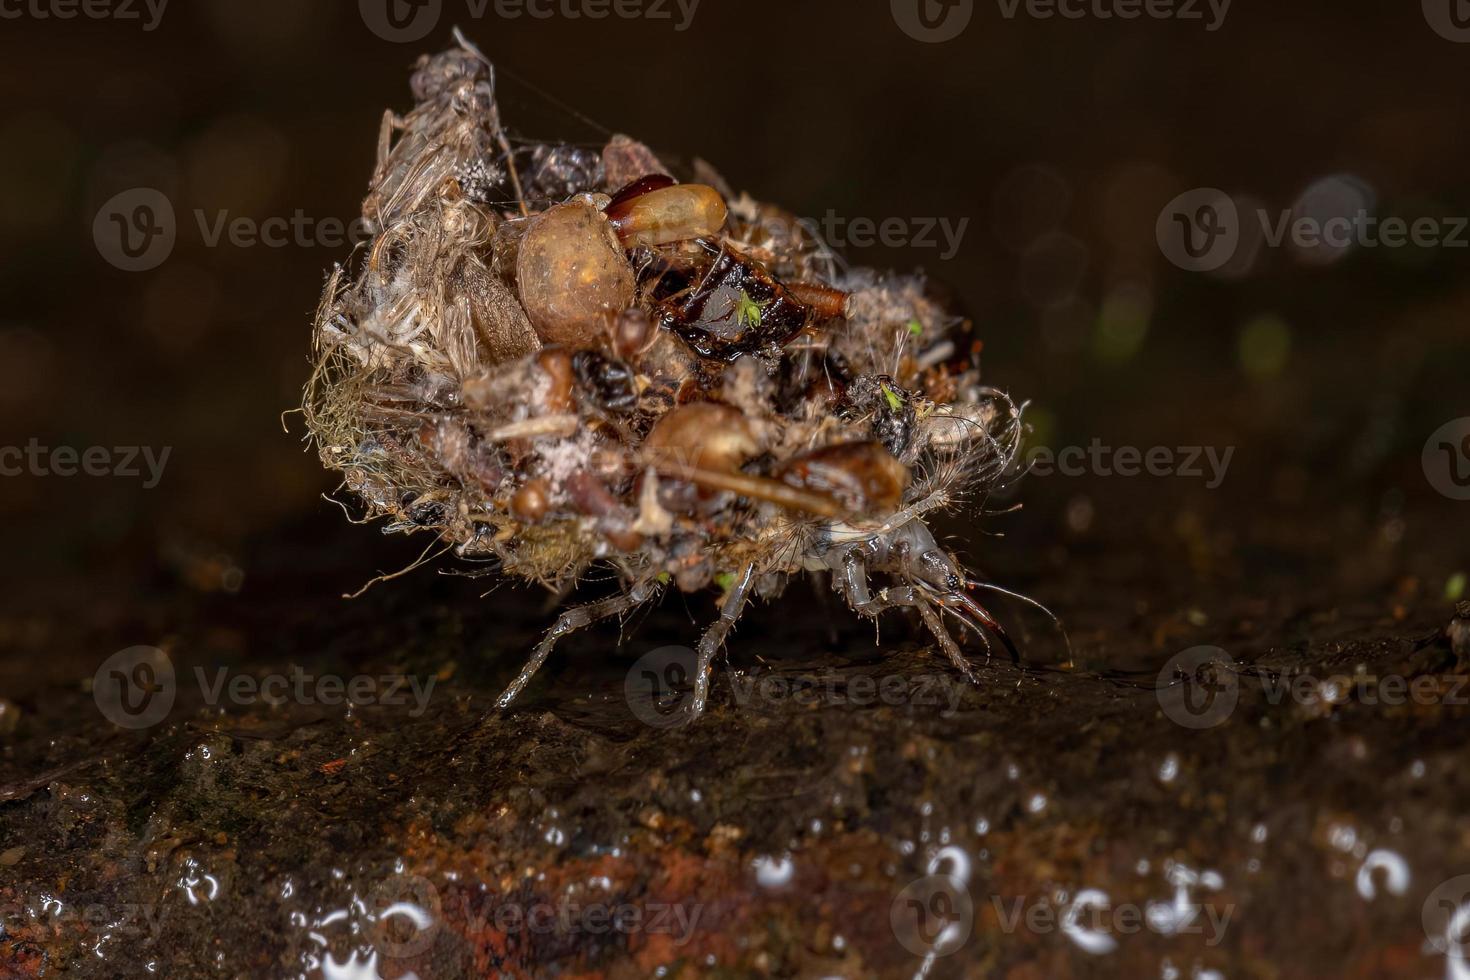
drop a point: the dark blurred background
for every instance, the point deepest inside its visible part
(1057, 140)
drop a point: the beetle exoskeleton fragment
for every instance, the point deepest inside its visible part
(727, 305)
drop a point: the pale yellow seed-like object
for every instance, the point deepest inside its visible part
(668, 215)
(572, 275)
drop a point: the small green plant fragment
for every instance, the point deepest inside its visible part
(747, 311)
(1454, 589)
(894, 402)
(726, 581)
(915, 328)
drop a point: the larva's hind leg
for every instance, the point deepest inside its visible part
(714, 638)
(570, 622)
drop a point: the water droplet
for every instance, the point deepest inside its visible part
(1396, 874)
(1087, 940)
(773, 872)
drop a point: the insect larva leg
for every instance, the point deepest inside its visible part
(907, 596)
(714, 637)
(854, 587)
(569, 622)
(946, 642)
(854, 584)
(972, 609)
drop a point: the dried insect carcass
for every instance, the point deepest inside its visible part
(553, 358)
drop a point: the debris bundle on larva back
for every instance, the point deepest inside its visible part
(553, 357)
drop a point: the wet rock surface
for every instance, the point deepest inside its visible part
(840, 806)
